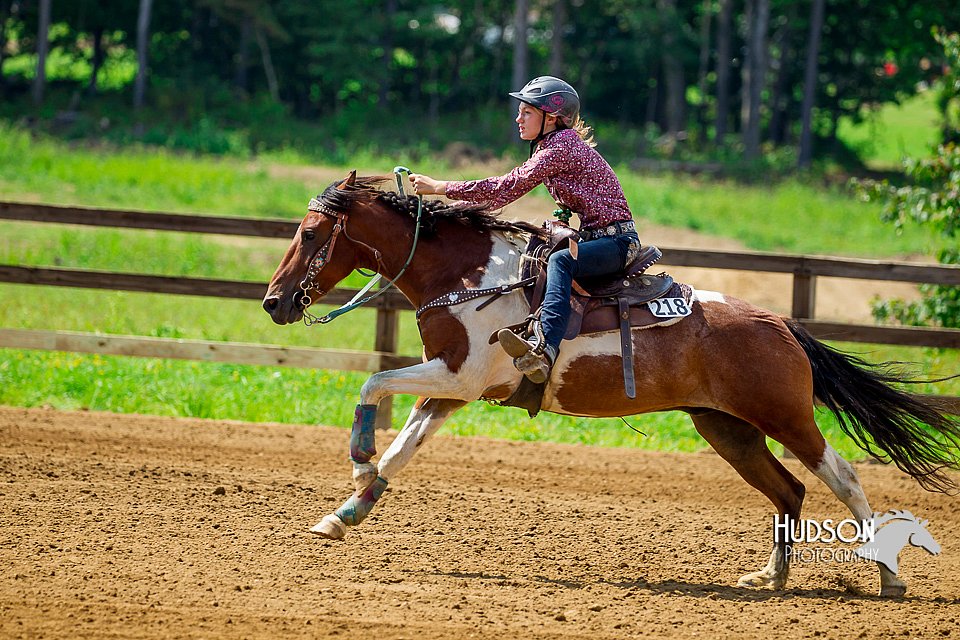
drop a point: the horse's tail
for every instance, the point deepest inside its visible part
(887, 423)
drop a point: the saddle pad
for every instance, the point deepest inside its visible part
(604, 317)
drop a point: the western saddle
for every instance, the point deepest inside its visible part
(598, 304)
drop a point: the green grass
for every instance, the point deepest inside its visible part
(887, 135)
(790, 215)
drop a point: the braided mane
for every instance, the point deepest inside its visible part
(365, 190)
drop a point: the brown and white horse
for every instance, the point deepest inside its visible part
(740, 372)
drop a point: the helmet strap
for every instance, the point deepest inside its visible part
(535, 141)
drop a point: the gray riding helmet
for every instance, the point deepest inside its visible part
(553, 96)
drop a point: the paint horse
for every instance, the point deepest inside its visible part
(740, 372)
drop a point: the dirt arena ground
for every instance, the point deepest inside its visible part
(142, 527)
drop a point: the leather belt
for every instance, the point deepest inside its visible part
(613, 229)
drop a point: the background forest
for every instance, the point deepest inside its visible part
(752, 80)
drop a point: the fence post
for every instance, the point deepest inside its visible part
(804, 293)
(386, 340)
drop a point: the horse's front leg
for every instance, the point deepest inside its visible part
(431, 377)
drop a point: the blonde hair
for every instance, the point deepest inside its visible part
(584, 130)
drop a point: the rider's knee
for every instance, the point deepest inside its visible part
(561, 259)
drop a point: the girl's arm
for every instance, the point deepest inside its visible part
(498, 191)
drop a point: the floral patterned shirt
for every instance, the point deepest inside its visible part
(574, 173)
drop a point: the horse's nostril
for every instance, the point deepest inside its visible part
(270, 304)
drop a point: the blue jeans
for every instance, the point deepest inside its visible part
(594, 258)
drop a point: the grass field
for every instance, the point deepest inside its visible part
(889, 134)
(791, 215)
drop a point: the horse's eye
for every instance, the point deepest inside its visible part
(309, 234)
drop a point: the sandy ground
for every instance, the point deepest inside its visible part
(142, 527)
(838, 299)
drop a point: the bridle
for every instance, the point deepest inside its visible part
(322, 256)
(325, 252)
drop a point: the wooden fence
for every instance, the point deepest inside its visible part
(805, 270)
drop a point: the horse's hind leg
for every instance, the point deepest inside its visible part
(427, 416)
(743, 446)
(840, 476)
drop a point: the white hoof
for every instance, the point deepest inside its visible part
(762, 580)
(364, 473)
(893, 591)
(331, 528)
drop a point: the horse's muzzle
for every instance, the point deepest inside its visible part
(282, 313)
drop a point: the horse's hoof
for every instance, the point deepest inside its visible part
(762, 580)
(363, 475)
(893, 591)
(331, 528)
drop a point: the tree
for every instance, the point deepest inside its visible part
(810, 84)
(143, 32)
(932, 198)
(556, 42)
(521, 62)
(43, 44)
(724, 36)
(754, 73)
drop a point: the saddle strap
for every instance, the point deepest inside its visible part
(626, 349)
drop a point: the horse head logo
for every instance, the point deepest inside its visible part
(898, 529)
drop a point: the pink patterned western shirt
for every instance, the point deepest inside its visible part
(574, 173)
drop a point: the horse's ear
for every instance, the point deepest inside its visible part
(349, 181)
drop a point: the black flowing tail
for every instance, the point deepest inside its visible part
(887, 423)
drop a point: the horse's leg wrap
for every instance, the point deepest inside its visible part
(363, 437)
(358, 506)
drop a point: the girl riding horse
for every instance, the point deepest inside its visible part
(563, 159)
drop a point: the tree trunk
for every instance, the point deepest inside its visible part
(704, 64)
(240, 76)
(97, 61)
(520, 51)
(4, 14)
(386, 42)
(724, 33)
(810, 84)
(556, 43)
(521, 63)
(143, 33)
(676, 99)
(43, 44)
(780, 99)
(754, 75)
(268, 69)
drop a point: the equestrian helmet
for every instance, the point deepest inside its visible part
(553, 96)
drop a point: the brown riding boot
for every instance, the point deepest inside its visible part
(535, 366)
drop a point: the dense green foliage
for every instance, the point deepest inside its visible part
(222, 73)
(931, 199)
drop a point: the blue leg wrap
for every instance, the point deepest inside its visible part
(359, 505)
(363, 434)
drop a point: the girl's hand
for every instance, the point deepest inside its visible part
(425, 185)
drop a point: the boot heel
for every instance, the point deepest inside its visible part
(514, 345)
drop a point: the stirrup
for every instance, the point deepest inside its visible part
(536, 366)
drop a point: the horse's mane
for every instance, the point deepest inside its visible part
(365, 190)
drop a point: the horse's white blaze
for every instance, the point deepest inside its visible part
(708, 296)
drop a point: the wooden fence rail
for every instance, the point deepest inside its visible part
(805, 270)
